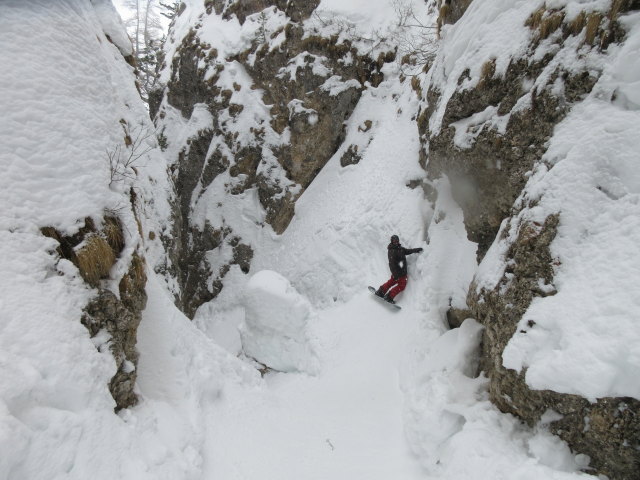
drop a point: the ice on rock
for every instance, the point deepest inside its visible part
(276, 319)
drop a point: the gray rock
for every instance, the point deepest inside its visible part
(451, 11)
(608, 431)
(350, 156)
(316, 133)
(120, 317)
(486, 179)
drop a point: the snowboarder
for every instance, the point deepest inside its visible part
(398, 265)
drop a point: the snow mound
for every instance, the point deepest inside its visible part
(275, 328)
(443, 385)
(453, 428)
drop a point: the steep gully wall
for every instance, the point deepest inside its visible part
(608, 431)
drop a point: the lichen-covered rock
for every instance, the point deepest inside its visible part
(189, 87)
(491, 134)
(452, 10)
(121, 321)
(500, 309)
(297, 10)
(350, 156)
(456, 316)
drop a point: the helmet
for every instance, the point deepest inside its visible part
(395, 240)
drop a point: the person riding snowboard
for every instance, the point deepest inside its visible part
(398, 265)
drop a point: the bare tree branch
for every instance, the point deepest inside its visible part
(417, 41)
(123, 163)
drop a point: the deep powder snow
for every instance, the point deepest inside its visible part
(378, 394)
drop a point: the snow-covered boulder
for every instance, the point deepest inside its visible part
(275, 331)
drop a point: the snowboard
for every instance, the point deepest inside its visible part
(395, 306)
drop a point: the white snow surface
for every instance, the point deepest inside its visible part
(112, 25)
(347, 215)
(391, 394)
(64, 89)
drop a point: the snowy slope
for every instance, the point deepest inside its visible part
(391, 394)
(345, 422)
(392, 397)
(64, 87)
(344, 220)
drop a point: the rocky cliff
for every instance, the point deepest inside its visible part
(264, 112)
(487, 125)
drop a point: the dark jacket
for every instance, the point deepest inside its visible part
(398, 259)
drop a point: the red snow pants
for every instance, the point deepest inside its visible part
(400, 285)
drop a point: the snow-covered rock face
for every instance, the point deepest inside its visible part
(528, 114)
(493, 104)
(255, 102)
(532, 113)
(70, 110)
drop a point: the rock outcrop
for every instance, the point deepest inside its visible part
(488, 164)
(292, 89)
(488, 177)
(94, 250)
(265, 118)
(451, 10)
(608, 430)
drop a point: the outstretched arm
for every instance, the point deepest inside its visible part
(412, 250)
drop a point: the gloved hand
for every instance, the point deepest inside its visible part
(420, 250)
